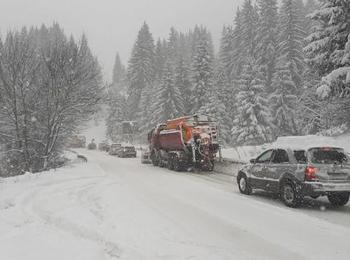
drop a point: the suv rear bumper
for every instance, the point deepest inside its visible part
(325, 187)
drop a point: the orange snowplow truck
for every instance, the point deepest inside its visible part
(184, 143)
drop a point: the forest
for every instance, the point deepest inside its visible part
(281, 69)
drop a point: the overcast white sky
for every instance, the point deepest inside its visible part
(112, 25)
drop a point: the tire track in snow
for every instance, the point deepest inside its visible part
(31, 204)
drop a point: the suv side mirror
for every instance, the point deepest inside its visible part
(253, 161)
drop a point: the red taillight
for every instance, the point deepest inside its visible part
(310, 173)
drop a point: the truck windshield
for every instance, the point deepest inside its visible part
(328, 156)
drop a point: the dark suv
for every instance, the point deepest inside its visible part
(296, 173)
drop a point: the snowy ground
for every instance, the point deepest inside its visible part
(111, 208)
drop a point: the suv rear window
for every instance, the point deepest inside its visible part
(328, 156)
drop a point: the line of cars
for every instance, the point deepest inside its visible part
(117, 149)
(296, 173)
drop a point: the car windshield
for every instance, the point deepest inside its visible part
(129, 148)
(328, 156)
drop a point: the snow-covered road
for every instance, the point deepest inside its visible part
(114, 208)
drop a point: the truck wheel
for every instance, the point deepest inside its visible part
(176, 164)
(243, 184)
(339, 199)
(289, 195)
(154, 159)
(211, 166)
(170, 163)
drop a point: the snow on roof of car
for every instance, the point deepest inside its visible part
(304, 142)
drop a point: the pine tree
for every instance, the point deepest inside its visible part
(252, 123)
(216, 108)
(119, 75)
(226, 52)
(291, 40)
(160, 58)
(202, 71)
(328, 54)
(141, 70)
(238, 58)
(225, 89)
(310, 7)
(250, 19)
(168, 102)
(329, 45)
(284, 101)
(173, 46)
(267, 39)
(183, 84)
(147, 104)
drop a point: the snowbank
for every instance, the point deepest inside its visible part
(245, 153)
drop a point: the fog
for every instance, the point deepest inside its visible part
(112, 25)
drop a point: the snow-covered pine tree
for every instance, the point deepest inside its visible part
(250, 19)
(252, 124)
(119, 76)
(141, 70)
(117, 109)
(328, 54)
(226, 52)
(116, 115)
(225, 90)
(160, 58)
(291, 39)
(215, 107)
(283, 102)
(183, 84)
(147, 112)
(267, 39)
(202, 71)
(168, 101)
(329, 46)
(237, 47)
(173, 46)
(310, 7)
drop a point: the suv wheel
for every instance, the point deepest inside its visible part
(339, 199)
(243, 184)
(289, 195)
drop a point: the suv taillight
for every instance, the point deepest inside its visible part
(310, 173)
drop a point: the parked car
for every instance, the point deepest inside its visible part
(113, 150)
(92, 145)
(296, 173)
(126, 151)
(145, 156)
(104, 146)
